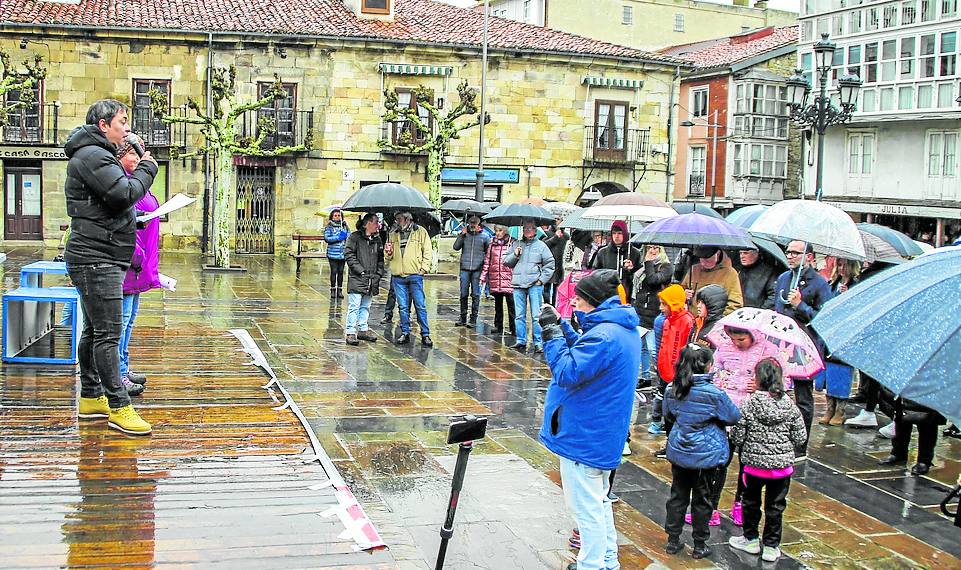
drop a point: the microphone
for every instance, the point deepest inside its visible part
(134, 142)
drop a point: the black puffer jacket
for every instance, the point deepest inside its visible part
(557, 246)
(612, 257)
(647, 284)
(769, 431)
(100, 200)
(714, 298)
(757, 283)
(365, 263)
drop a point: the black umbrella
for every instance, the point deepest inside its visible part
(386, 197)
(427, 220)
(466, 206)
(517, 214)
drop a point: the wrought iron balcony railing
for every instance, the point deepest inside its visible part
(603, 144)
(291, 126)
(34, 125)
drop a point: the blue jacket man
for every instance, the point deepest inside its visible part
(587, 412)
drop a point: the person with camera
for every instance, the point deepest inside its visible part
(587, 410)
(100, 202)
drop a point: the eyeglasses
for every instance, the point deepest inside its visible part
(791, 253)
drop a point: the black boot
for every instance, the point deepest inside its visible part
(463, 313)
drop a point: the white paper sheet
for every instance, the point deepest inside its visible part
(175, 203)
(168, 283)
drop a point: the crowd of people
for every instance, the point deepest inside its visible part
(711, 402)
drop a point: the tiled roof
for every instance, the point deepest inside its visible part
(414, 21)
(723, 52)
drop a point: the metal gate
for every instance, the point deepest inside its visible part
(255, 209)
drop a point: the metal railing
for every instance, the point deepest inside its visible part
(40, 127)
(292, 126)
(695, 185)
(602, 144)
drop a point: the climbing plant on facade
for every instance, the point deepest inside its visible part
(13, 81)
(222, 140)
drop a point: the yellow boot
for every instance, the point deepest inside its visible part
(93, 408)
(127, 420)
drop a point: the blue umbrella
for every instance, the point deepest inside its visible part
(902, 243)
(744, 217)
(903, 327)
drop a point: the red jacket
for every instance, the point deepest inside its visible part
(494, 271)
(677, 331)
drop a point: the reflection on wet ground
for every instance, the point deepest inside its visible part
(221, 480)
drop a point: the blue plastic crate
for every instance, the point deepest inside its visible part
(28, 316)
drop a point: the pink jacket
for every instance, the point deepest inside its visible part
(495, 272)
(735, 368)
(143, 274)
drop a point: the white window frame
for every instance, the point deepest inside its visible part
(627, 15)
(527, 10)
(944, 170)
(678, 22)
(855, 168)
(695, 91)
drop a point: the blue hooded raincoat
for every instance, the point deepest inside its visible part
(587, 412)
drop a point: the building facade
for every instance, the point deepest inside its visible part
(896, 162)
(644, 24)
(569, 115)
(741, 149)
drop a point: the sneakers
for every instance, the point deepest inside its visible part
(136, 377)
(715, 519)
(575, 540)
(744, 545)
(386, 320)
(352, 340)
(655, 429)
(403, 339)
(627, 449)
(127, 420)
(519, 347)
(863, 419)
(661, 453)
(951, 431)
(887, 431)
(771, 553)
(737, 513)
(93, 408)
(612, 497)
(131, 388)
(426, 341)
(367, 335)
(538, 349)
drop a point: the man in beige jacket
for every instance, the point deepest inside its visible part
(409, 252)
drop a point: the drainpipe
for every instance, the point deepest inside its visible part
(670, 136)
(205, 236)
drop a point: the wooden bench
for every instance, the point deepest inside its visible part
(313, 254)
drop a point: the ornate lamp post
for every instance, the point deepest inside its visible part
(820, 113)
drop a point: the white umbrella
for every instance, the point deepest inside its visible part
(631, 207)
(561, 209)
(829, 229)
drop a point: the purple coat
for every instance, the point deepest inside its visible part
(143, 274)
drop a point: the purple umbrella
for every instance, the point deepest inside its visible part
(694, 230)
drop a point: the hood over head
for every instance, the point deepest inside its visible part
(714, 298)
(619, 226)
(674, 297)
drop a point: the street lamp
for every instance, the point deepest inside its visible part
(821, 113)
(689, 123)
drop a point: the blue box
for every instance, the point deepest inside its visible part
(28, 316)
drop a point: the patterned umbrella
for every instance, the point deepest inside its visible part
(798, 355)
(904, 245)
(693, 230)
(876, 249)
(903, 327)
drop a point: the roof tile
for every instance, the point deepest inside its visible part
(729, 50)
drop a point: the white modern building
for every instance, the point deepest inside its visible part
(897, 161)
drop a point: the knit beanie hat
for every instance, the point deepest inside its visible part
(619, 226)
(598, 287)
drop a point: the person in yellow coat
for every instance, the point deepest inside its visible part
(409, 252)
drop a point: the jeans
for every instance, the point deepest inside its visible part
(550, 293)
(775, 501)
(500, 301)
(534, 296)
(585, 492)
(407, 289)
(101, 299)
(470, 280)
(690, 487)
(358, 310)
(927, 441)
(804, 397)
(131, 305)
(648, 358)
(336, 273)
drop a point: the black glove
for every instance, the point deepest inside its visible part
(549, 316)
(551, 331)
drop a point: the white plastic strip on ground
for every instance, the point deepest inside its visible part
(348, 510)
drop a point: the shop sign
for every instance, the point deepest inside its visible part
(33, 152)
(899, 209)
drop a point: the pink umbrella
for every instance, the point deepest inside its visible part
(798, 355)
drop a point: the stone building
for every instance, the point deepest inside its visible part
(737, 84)
(568, 114)
(645, 24)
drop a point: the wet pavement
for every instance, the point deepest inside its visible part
(381, 413)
